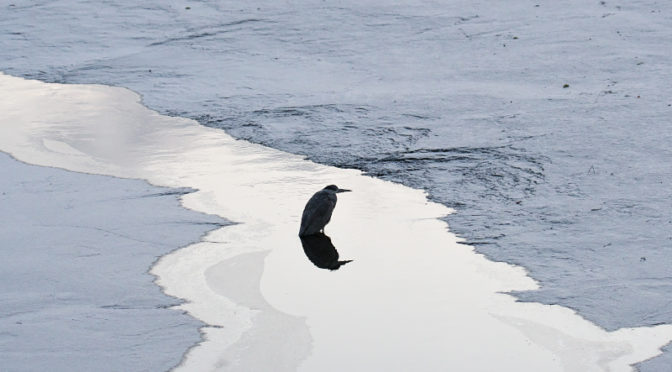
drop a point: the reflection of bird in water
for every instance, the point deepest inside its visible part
(317, 212)
(321, 252)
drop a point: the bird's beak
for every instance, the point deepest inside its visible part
(343, 190)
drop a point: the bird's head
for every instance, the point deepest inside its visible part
(335, 188)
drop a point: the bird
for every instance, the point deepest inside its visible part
(318, 210)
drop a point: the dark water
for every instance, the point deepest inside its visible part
(547, 128)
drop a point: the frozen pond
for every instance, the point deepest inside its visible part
(545, 126)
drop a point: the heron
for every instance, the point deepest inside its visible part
(318, 210)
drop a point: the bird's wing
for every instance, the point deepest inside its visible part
(318, 205)
(318, 210)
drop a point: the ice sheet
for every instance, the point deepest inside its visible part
(74, 284)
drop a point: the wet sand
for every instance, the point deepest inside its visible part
(413, 297)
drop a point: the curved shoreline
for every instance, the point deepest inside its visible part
(98, 129)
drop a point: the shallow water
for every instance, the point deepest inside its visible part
(464, 100)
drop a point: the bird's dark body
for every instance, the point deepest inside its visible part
(317, 212)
